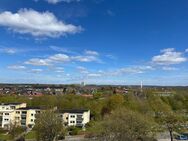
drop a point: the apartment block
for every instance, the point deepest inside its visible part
(75, 117)
(26, 117)
(7, 113)
(17, 113)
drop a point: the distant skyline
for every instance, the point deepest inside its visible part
(95, 41)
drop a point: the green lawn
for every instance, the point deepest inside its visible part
(31, 135)
(4, 137)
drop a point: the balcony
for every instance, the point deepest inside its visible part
(79, 119)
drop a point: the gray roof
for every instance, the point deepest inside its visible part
(74, 110)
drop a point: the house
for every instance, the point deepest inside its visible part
(75, 117)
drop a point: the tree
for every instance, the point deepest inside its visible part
(115, 101)
(171, 122)
(166, 117)
(125, 125)
(48, 126)
(15, 130)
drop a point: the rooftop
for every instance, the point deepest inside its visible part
(14, 103)
(74, 111)
(29, 108)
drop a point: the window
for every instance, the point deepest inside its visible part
(24, 118)
(72, 121)
(32, 120)
(24, 112)
(38, 112)
(6, 114)
(79, 122)
(72, 116)
(79, 116)
(12, 107)
(6, 119)
(17, 112)
(32, 114)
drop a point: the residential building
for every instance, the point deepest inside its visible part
(75, 117)
(26, 117)
(17, 113)
(7, 113)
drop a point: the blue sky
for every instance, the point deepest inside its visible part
(96, 41)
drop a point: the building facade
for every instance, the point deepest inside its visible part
(17, 113)
(26, 117)
(75, 117)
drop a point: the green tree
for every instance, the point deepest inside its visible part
(125, 125)
(166, 117)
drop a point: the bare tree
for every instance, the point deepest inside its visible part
(48, 126)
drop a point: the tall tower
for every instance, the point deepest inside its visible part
(141, 86)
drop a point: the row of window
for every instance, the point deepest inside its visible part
(73, 116)
(18, 118)
(72, 121)
(18, 112)
(78, 122)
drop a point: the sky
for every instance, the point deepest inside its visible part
(119, 42)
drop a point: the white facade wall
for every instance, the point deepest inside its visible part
(76, 119)
(12, 114)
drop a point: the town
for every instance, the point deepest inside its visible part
(80, 109)
(93, 70)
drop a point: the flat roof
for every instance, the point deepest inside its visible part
(74, 111)
(12, 103)
(29, 108)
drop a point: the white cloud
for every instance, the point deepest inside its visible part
(85, 58)
(186, 50)
(8, 50)
(166, 68)
(61, 49)
(38, 62)
(57, 1)
(94, 75)
(59, 69)
(90, 52)
(111, 56)
(36, 70)
(82, 70)
(36, 23)
(168, 57)
(17, 67)
(59, 58)
(110, 13)
(136, 69)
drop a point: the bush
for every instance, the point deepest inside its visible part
(73, 130)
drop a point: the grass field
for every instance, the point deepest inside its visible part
(31, 135)
(4, 137)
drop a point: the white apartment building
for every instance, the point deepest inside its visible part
(7, 113)
(17, 113)
(26, 117)
(75, 117)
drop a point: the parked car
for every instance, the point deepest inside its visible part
(182, 136)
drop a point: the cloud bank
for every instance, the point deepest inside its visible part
(45, 24)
